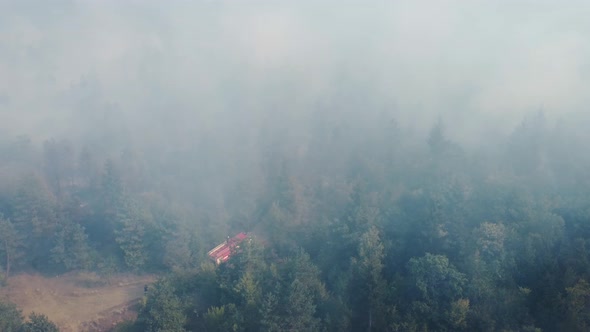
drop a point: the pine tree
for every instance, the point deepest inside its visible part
(370, 287)
(129, 235)
(9, 244)
(71, 246)
(163, 310)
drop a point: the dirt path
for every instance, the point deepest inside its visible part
(76, 300)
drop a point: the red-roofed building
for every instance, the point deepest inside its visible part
(223, 252)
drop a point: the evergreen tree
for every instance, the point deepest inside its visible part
(300, 308)
(163, 310)
(11, 318)
(71, 247)
(130, 235)
(369, 289)
(578, 305)
(439, 285)
(9, 244)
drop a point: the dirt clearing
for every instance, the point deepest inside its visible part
(77, 302)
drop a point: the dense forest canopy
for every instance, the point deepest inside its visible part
(411, 166)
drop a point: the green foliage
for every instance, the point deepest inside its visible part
(11, 320)
(111, 189)
(458, 314)
(436, 278)
(224, 318)
(10, 244)
(352, 230)
(440, 288)
(181, 250)
(130, 235)
(369, 287)
(258, 294)
(39, 323)
(301, 308)
(270, 319)
(34, 205)
(163, 310)
(578, 302)
(11, 317)
(71, 247)
(106, 267)
(34, 218)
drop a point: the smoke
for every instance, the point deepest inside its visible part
(175, 68)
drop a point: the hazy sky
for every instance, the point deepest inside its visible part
(474, 63)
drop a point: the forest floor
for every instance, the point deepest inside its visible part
(78, 302)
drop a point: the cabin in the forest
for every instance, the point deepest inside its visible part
(223, 252)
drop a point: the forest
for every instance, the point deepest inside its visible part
(374, 232)
(408, 166)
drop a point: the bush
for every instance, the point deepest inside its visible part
(11, 318)
(39, 323)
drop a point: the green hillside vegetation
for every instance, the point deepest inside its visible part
(375, 232)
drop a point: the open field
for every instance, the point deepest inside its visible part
(78, 301)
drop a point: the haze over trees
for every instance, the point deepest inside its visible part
(397, 169)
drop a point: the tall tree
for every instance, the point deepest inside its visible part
(11, 318)
(578, 306)
(300, 308)
(130, 235)
(71, 247)
(9, 243)
(34, 209)
(112, 193)
(369, 286)
(439, 285)
(163, 310)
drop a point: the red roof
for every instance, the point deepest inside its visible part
(222, 252)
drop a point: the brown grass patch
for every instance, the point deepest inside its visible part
(77, 301)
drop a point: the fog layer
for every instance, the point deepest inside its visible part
(158, 70)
